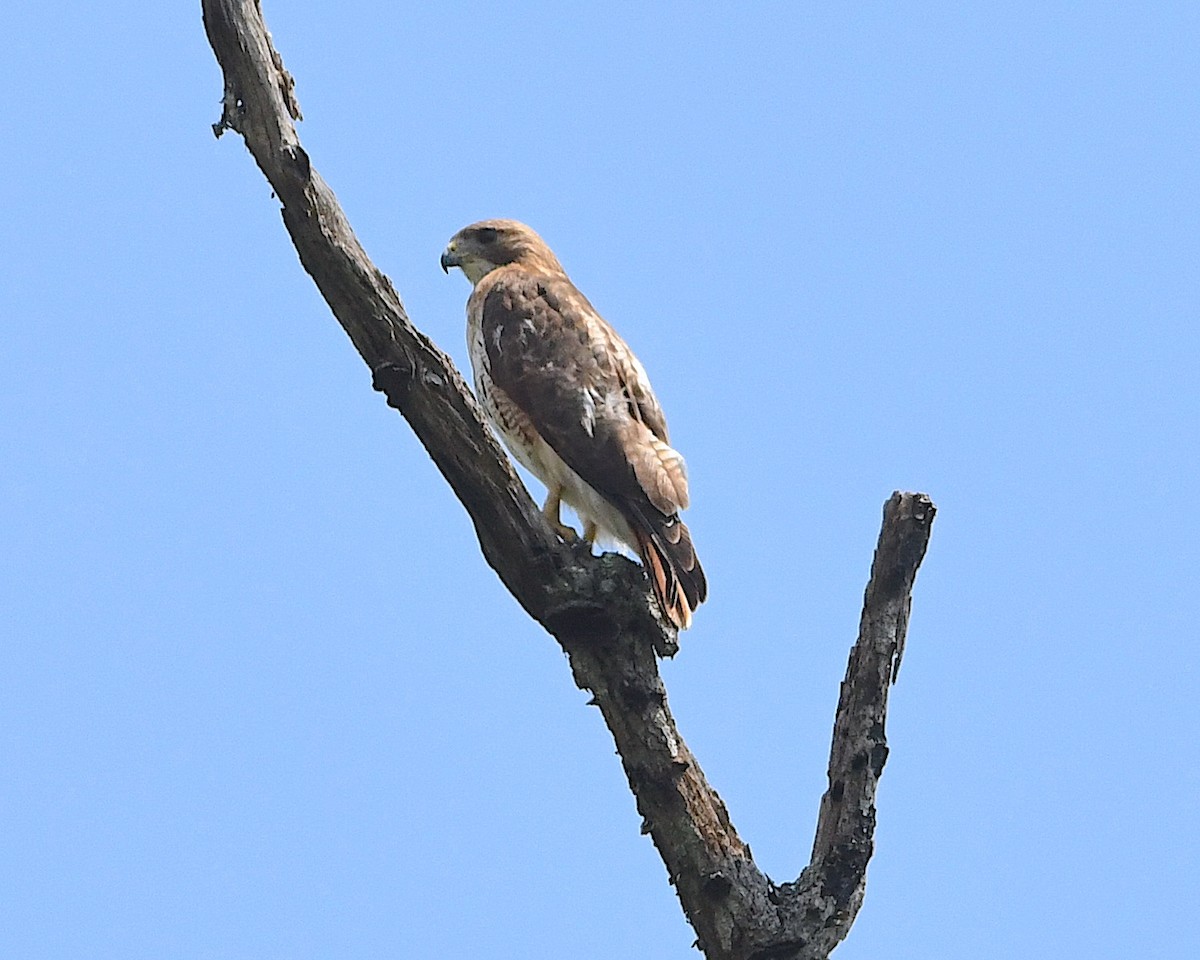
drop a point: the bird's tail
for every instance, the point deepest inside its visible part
(665, 545)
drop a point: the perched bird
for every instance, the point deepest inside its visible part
(574, 406)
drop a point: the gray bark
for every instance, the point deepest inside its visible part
(597, 608)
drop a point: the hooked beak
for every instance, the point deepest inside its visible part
(450, 259)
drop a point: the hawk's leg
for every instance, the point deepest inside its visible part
(589, 531)
(550, 512)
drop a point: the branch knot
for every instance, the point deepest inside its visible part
(394, 378)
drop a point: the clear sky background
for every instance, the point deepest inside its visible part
(262, 698)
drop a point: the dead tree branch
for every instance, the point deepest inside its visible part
(596, 607)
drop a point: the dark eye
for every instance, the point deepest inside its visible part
(486, 235)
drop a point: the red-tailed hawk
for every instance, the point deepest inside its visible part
(574, 405)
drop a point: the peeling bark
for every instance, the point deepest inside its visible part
(598, 608)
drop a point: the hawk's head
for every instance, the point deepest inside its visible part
(482, 247)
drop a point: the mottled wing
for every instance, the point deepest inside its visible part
(582, 390)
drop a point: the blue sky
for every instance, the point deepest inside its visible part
(261, 696)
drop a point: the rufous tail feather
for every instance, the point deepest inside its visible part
(665, 545)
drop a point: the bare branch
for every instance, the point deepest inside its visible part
(846, 826)
(598, 608)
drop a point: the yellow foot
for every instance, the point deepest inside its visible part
(550, 512)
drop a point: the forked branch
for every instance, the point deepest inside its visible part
(596, 607)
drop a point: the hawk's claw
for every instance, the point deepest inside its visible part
(567, 533)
